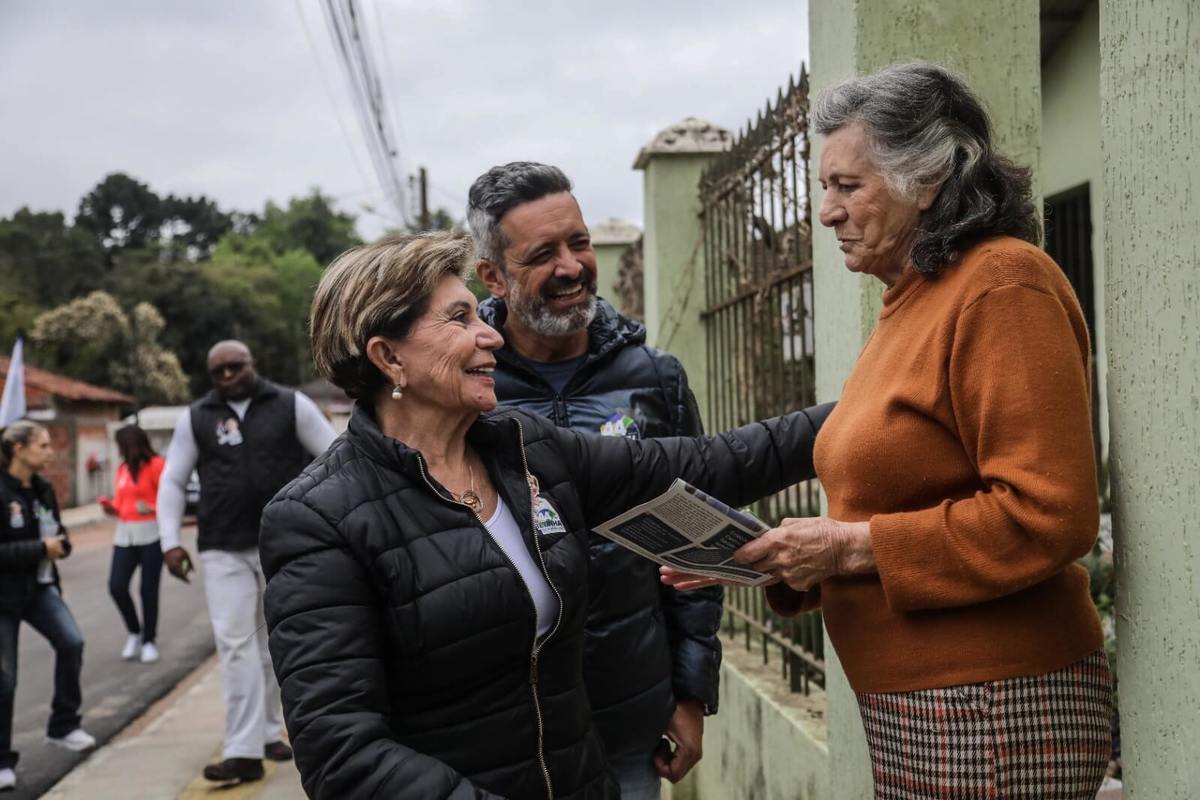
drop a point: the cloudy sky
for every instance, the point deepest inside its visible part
(235, 100)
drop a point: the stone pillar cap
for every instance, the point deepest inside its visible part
(689, 136)
(614, 231)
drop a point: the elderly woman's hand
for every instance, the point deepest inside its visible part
(804, 551)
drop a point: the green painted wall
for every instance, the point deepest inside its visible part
(995, 45)
(758, 748)
(1150, 116)
(674, 263)
(608, 257)
(1071, 153)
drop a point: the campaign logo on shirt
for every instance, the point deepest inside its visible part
(621, 425)
(229, 432)
(16, 515)
(545, 519)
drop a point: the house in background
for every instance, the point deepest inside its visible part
(77, 414)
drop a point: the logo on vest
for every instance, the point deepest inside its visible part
(16, 515)
(229, 432)
(621, 425)
(545, 519)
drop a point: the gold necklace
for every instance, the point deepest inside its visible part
(470, 497)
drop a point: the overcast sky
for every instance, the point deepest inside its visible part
(231, 99)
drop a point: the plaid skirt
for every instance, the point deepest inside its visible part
(1043, 737)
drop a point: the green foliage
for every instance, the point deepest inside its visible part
(180, 266)
(46, 262)
(308, 223)
(121, 213)
(92, 339)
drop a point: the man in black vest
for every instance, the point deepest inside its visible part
(247, 438)
(652, 654)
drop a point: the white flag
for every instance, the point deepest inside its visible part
(12, 405)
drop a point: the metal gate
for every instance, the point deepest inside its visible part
(759, 321)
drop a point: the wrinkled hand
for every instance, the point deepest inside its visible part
(686, 732)
(56, 548)
(803, 551)
(178, 562)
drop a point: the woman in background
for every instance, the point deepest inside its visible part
(32, 539)
(136, 543)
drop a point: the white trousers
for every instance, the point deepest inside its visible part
(234, 583)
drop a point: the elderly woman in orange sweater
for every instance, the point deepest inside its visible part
(958, 464)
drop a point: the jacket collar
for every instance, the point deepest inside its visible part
(608, 331)
(262, 389)
(37, 483)
(494, 435)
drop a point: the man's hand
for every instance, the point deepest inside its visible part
(178, 562)
(686, 732)
(56, 548)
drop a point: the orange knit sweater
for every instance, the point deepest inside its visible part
(964, 436)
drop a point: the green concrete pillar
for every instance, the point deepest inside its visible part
(1148, 78)
(609, 240)
(672, 245)
(995, 46)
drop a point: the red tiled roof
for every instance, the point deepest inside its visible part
(67, 388)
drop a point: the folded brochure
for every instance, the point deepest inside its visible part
(687, 529)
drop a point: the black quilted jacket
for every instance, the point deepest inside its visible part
(647, 645)
(402, 637)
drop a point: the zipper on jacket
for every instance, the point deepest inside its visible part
(537, 645)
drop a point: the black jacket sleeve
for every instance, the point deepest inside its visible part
(693, 619)
(21, 555)
(334, 684)
(737, 467)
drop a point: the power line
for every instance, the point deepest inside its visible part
(337, 114)
(344, 19)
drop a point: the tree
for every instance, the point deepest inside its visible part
(44, 261)
(194, 225)
(308, 223)
(121, 213)
(92, 339)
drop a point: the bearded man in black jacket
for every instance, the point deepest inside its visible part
(652, 655)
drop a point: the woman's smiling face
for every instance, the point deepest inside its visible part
(448, 354)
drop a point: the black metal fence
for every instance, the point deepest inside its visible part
(759, 320)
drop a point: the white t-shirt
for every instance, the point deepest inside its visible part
(507, 533)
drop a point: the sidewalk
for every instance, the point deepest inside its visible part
(161, 754)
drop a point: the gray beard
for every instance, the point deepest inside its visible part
(532, 313)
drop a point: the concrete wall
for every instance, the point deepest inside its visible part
(608, 257)
(1151, 153)
(995, 46)
(766, 743)
(674, 264)
(1071, 154)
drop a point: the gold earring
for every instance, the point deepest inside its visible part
(398, 392)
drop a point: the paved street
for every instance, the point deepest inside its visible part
(115, 692)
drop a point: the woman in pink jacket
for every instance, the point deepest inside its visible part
(136, 544)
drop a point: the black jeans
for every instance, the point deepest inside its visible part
(48, 614)
(124, 561)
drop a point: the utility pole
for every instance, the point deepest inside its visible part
(424, 220)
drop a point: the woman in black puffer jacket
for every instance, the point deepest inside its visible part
(427, 575)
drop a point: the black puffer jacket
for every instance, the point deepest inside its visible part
(647, 645)
(21, 546)
(402, 637)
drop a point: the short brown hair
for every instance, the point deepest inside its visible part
(378, 289)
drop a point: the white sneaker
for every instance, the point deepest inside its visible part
(8, 780)
(149, 653)
(132, 645)
(76, 740)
